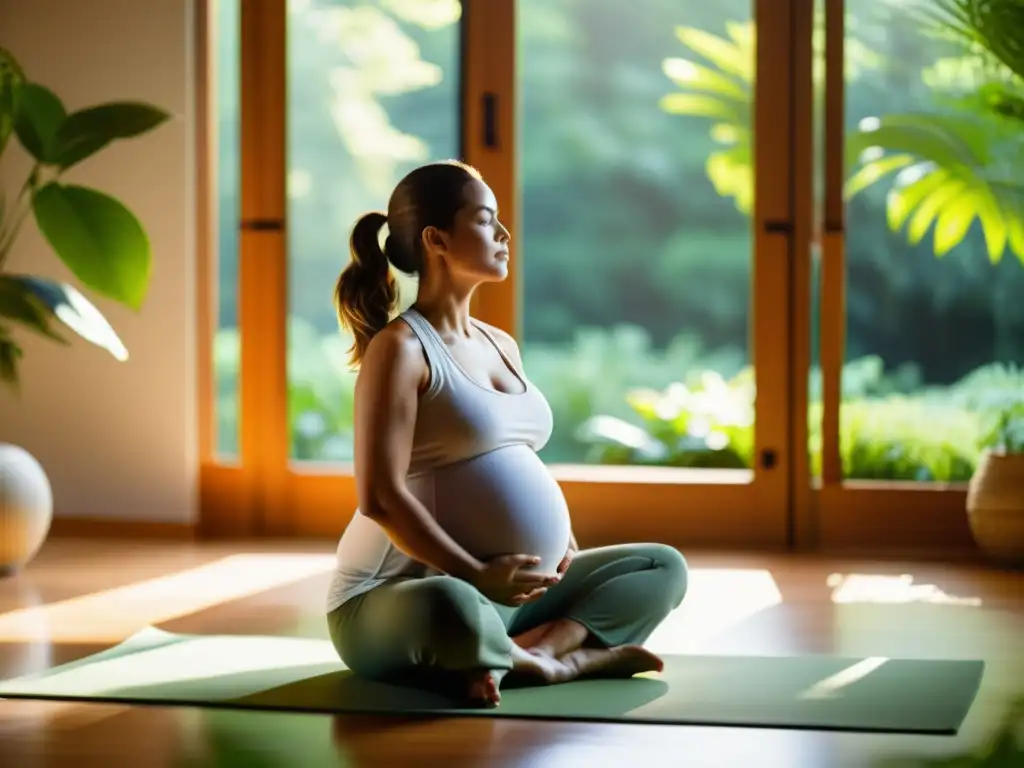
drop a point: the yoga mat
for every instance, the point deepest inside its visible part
(304, 675)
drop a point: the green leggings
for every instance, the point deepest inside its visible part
(406, 625)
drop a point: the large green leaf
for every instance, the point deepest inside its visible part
(928, 211)
(871, 172)
(722, 92)
(75, 311)
(40, 114)
(912, 186)
(952, 223)
(20, 304)
(734, 56)
(87, 131)
(994, 225)
(687, 74)
(98, 239)
(951, 170)
(12, 78)
(700, 105)
(732, 174)
(944, 140)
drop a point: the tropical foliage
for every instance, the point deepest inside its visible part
(957, 163)
(97, 238)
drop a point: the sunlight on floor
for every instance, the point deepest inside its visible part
(111, 615)
(873, 588)
(718, 599)
(156, 658)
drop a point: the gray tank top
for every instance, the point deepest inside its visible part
(474, 466)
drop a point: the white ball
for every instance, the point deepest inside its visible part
(26, 507)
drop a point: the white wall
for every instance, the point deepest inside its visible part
(117, 439)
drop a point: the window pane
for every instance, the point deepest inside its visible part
(635, 233)
(373, 92)
(934, 308)
(227, 101)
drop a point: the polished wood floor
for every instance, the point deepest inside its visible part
(81, 596)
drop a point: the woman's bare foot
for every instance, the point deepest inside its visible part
(620, 661)
(483, 688)
(538, 668)
(484, 685)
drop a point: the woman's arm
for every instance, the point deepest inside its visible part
(386, 398)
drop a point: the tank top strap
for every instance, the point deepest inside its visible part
(434, 348)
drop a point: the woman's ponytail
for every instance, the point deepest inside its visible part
(366, 294)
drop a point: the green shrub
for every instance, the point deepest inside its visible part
(900, 438)
(704, 423)
(618, 400)
(321, 394)
(996, 393)
(711, 425)
(597, 371)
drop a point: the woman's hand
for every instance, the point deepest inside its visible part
(502, 580)
(570, 553)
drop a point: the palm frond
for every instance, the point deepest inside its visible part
(995, 27)
(721, 90)
(949, 172)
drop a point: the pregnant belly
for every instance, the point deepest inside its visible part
(503, 503)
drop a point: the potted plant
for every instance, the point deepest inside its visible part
(995, 497)
(97, 238)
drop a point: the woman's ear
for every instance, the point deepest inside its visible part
(434, 240)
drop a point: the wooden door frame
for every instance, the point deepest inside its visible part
(225, 487)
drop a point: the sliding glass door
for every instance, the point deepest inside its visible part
(644, 158)
(918, 256)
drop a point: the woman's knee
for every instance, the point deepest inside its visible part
(449, 611)
(673, 566)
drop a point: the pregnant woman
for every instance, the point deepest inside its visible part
(460, 564)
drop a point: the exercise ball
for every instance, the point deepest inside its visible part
(26, 507)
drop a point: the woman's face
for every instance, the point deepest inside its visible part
(477, 247)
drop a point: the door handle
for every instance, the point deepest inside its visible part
(778, 227)
(490, 120)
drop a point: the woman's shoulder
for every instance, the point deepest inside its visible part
(397, 350)
(396, 337)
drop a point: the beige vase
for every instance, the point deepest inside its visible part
(995, 507)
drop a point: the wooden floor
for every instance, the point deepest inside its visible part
(81, 596)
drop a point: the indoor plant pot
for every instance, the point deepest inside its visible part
(995, 506)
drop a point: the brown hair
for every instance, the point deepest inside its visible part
(366, 293)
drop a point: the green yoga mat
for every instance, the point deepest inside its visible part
(304, 675)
